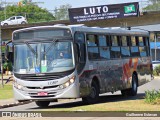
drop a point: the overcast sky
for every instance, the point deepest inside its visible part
(51, 4)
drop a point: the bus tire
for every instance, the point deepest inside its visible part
(42, 103)
(133, 90)
(93, 96)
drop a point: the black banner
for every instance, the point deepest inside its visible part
(40, 114)
(103, 12)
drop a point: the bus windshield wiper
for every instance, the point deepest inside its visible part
(53, 43)
(33, 51)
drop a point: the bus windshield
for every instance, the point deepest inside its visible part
(45, 57)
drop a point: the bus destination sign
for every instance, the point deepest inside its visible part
(103, 12)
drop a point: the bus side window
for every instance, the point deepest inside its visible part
(104, 47)
(114, 40)
(143, 52)
(134, 47)
(143, 46)
(115, 52)
(141, 41)
(133, 41)
(124, 41)
(135, 52)
(102, 40)
(92, 40)
(125, 51)
(115, 48)
(92, 44)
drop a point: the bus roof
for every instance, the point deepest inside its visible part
(83, 28)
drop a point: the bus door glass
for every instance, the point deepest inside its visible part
(80, 43)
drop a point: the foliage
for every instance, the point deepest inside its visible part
(154, 6)
(155, 73)
(33, 13)
(61, 13)
(156, 70)
(7, 66)
(152, 96)
(154, 1)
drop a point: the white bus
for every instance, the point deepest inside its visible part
(75, 61)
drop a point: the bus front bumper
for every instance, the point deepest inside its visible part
(71, 91)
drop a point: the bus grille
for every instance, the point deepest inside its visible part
(46, 87)
(43, 76)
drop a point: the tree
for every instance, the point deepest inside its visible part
(61, 13)
(33, 13)
(153, 6)
(154, 1)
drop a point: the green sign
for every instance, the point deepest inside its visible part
(24, 2)
(43, 69)
(43, 66)
(129, 8)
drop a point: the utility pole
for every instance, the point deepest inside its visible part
(155, 38)
(1, 57)
(5, 10)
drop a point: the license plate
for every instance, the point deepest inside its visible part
(42, 94)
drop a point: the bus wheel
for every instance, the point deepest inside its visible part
(42, 103)
(133, 90)
(93, 96)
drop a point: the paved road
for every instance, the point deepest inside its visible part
(154, 84)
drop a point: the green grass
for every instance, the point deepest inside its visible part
(6, 92)
(126, 105)
(152, 96)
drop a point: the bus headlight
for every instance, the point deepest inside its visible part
(18, 86)
(68, 83)
(72, 80)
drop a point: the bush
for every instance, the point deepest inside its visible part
(152, 96)
(155, 73)
(7, 66)
(156, 70)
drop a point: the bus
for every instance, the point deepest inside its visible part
(76, 61)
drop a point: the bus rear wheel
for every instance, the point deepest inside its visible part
(133, 90)
(93, 96)
(42, 103)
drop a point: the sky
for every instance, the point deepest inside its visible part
(51, 4)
